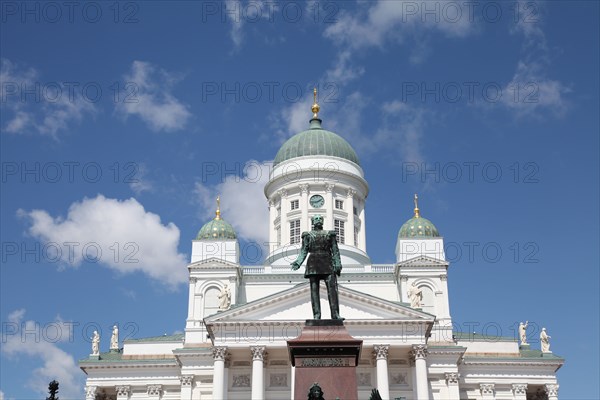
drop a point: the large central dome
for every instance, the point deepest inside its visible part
(316, 141)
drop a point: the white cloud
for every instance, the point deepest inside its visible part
(243, 202)
(530, 91)
(56, 363)
(43, 107)
(233, 10)
(375, 23)
(140, 182)
(130, 238)
(149, 97)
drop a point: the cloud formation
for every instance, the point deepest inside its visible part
(32, 105)
(56, 364)
(147, 94)
(118, 234)
(243, 202)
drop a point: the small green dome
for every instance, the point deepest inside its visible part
(316, 142)
(217, 229)
(418, 227)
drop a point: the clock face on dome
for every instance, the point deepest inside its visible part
(317, 201)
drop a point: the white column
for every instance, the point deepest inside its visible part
(381, 355)
(362, 236)
(487, 391)
(350, 209)
(304, 222)
(123, 392)
(272, 230)
(90, 392)
(519, 391)
(452, 383)
(186, 386)
(419, 352)
(191, 299)
(329, 207)
(219, 354)
(154, 391)
(284, 223)
(293, 382)
(552, 391)
(258, 387)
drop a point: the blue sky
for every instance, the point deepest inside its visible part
(122, 121)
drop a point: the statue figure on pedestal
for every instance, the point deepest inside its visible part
(324, 263)
(315, 392)
(114, 339)
(96, 344)
(545, 341)
(523, 332)
(415, 295)
(224, 298)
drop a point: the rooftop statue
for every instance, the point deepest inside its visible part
(324, 263)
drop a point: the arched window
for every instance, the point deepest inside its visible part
(428, 302)
(211, 301)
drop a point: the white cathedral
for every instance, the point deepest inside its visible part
(240, 317)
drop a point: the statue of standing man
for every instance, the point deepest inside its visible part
(545, 341)
(523, 332)
(114, 339)
(324, 263)
(96, 344)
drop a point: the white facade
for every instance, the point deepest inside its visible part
(238, 349)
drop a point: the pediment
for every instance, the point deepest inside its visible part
(294, 305)
(213, 262)
(420, 261)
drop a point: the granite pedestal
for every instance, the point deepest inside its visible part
(325, 353)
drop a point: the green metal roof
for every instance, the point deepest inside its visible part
(164, 338)
(217, 229)
(316, 142)
(418, 227)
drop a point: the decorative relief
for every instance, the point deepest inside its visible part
(404, 278)
(329, 187)
(381, 351)
(443, 277)
(278, 380)
(258, 352)
(519, 388)
(350, 192)
(452, 378)
(396, 361)
(364, 379)
(278, 362)
(399, 378)
(123, 390)
(186, 380)
(486, 388)
(552, 389)
(219, 353)
(303, 187)
(241, 381)
(241, 363)
(419, 351)
(282, 193)
(154, 390)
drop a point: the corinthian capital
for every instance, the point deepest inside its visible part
(381, 351)
(219, 353)
(419, 351)
(258, 352)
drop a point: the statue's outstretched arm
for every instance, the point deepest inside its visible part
(303, 252)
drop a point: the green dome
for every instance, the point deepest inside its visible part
(217, 229)
(316, 142)
(418, 227)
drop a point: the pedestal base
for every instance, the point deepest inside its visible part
(326, 354)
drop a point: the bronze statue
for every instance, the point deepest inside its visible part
(315, 392)
(323, 264)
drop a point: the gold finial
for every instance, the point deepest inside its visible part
(218, 213)
(315, 107)
(417, 213)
